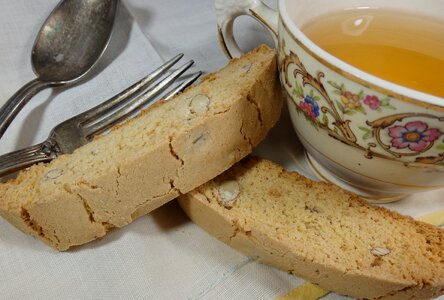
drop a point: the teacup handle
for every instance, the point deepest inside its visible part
(227, 11)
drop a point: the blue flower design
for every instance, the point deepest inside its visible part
(310, 107)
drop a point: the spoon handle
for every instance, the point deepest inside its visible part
(15, 104)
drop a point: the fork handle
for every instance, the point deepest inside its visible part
(17, 101)
(21, 159)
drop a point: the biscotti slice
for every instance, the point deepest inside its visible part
(320, 232)
(170, 149)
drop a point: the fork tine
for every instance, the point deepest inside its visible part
(129, 107)
(94, 113)
(182, 86)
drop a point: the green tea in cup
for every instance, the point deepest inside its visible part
(404, 48)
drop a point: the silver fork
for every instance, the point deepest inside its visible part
(80, 129)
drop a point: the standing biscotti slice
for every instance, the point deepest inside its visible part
(169, 149)
(320, 232)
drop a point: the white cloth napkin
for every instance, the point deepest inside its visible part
(162, 255)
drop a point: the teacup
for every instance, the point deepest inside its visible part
(381, 155)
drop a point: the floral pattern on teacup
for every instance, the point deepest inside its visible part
(310, 107)
(377, 129)
(414, 135)
(351, 102)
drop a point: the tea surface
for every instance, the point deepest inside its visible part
(400, 47)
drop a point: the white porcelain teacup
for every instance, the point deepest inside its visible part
(384, 154)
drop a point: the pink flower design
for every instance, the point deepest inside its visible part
(414, 135)
(372, 101)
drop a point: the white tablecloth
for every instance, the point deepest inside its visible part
(162, 255)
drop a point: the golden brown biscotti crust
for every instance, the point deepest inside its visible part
(170, 149)
(320, 232)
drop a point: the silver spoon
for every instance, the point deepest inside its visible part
(70, 42)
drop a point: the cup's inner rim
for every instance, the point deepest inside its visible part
(352, 70)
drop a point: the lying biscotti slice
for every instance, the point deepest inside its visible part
(169, 149)
(320, 232)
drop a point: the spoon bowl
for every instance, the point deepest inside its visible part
(86, 28)
(68, 45)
